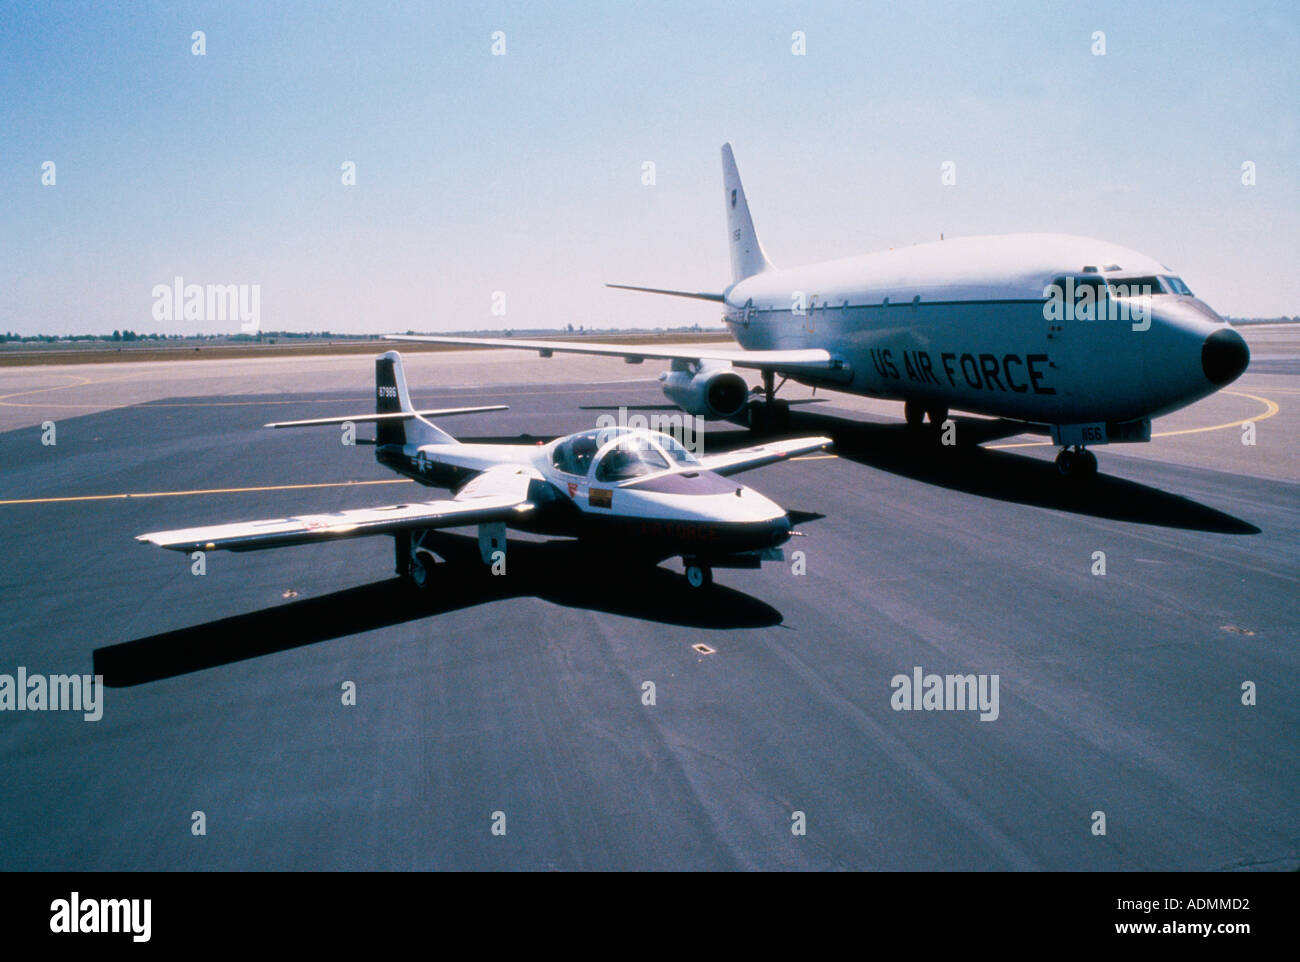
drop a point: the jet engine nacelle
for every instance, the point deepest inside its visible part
(713, 391)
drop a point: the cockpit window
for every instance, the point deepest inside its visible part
(1176, 285)
(574, 455)
(620, 452)
(1074, 285)
(675, 450)
(1136, 286)
(1085, 291)
(631, 457)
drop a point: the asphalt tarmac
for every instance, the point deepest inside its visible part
(516, 704)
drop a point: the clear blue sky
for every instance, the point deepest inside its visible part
(522, 173)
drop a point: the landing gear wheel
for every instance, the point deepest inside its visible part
(937, 416)
(913, 414)
(698, 575)
(420, 573)
(416, 563)
(1087, 464)
(1079, 463)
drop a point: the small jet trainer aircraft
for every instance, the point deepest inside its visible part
(640, 495)
(1080, 338)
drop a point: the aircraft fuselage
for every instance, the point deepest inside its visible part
(967, 324)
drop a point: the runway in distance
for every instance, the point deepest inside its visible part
(1079, 338)
(638, 497)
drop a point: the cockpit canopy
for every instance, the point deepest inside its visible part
(619, 454)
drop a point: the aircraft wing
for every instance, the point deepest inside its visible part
(392, 416)
(809, 359)
(498, 494)
(733, 462)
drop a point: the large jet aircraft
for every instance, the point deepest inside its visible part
(638, 496)
(1080, 338)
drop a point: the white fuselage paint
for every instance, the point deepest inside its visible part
(628, 498)
(962, 324)
(737, 505)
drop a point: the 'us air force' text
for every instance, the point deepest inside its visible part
(1010, 373)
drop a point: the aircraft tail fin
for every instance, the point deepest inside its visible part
(747, 257)
(391, 396)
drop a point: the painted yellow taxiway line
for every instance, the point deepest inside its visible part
(1270, 408)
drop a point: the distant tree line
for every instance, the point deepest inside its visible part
(126, 336)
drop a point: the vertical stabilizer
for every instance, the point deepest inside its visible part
(747, 257)
(392, 396)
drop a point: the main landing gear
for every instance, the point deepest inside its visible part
(415, 563)
(420, 568)
(769, 416)
(1076, 463)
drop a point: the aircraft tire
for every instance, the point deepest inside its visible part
(1079, 464)
(699, 576)
(419, 574)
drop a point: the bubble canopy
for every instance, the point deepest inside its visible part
(620, 454)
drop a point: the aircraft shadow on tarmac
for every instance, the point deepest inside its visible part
(997, 474)
(560, 572)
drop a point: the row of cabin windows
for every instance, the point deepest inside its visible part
(1116, 286)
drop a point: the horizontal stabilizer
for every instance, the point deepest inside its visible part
(391, 416)
(698, 295)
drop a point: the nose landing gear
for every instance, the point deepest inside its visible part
(1076, 463)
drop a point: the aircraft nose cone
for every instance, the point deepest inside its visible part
(780, 531)
(1224, 355)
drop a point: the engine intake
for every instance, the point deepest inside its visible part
(715, 393)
